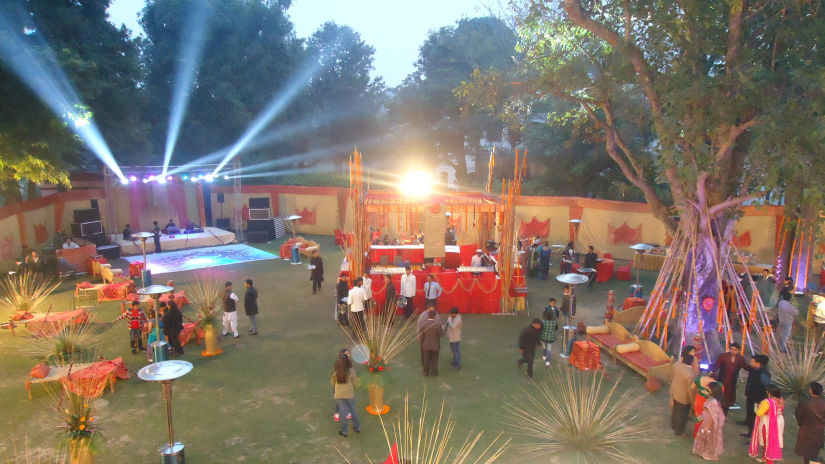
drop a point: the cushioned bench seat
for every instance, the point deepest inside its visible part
(641, 360)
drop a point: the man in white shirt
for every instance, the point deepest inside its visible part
(69, 244)
(432, 290)
(367, 286)
(230, 310)
(408, 291)
(478, 259)
(356, 299)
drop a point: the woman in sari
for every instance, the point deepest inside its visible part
(708, 442)
(769, 428)
(703, 392)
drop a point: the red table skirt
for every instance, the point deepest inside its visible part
(91, 381)
(604, 270)
(585, 355)
(632, 301)
(470, 294)
(412, 255)
(134, 269)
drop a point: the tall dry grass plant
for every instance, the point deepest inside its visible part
(205, 293)
(431, 440)
(73, 343)
(384, 334)
(578, 416)
(801, 364)
(25, 291)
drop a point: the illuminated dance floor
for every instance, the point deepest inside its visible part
(199, 258)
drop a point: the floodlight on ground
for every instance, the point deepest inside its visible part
(416, 184)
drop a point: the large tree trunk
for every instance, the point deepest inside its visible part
(11, 192)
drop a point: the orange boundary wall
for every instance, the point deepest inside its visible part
(324, 204)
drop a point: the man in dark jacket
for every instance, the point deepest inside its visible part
(173, 326)
(529, 339)
(755, 392)
(230, 310)
(810, 415)
(429, 334)
(341, 293)
(250, 305)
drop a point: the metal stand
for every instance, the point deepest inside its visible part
(165, 372)
(160, 350)
(571, 280)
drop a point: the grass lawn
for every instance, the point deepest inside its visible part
(267, 398)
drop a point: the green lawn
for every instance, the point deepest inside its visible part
(268, 398)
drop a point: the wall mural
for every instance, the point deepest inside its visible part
(624, 234)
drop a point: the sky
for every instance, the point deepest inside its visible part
(395, 28)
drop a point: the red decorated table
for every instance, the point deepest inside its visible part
(189, 329)
(470, 294)
(604, 270)
(180, 298)
(585, 355)
(52, 323)
(410, 253)
(631, 302)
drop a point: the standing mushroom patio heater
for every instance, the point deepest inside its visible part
(145, 275)
(296, 249)
(165, 372)
(572, 280)
(160, 347)
(641, 249)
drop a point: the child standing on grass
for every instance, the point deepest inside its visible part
(453, 327)
(344, 380)
(136, 320)
(548, 334)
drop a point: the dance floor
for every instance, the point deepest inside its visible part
(197, 258)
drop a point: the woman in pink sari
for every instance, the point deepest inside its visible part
(769, 428)
(708, 441)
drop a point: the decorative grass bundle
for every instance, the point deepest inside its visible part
(80, 427)
(25, 291)
(384, 334)
(800, 365)
(424, 440)
(205, 293)
(25, 455)
(576, 416)
(73, 343)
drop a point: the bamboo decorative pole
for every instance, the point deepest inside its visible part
(358, 196)
(508, 252)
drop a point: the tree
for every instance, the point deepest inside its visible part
(710, 80)
(426, 102)
(101, 64)
(252, 53)
(344, 99)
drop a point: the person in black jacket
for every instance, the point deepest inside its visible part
(341, 293)
(527, 343)
(250, 305)
(317, 273)
(173, 326)
(156, 237)
(230, 310)
(755, 392)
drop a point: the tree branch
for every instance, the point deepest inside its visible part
(735, 131)
(729, 203)
(737, 9)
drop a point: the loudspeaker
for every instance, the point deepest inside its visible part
(109, 251)
(220, 200)
(94, 204)
(262, 225)
(257, 236)
(222, 223)
(85, 215)
(259, 203)
(86, 229)
(98, 239)
(260, 213)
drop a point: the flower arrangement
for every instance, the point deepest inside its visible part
(376, 364)
(205, 293)
(80, 426)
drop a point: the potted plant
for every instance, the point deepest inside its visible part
(205, 294)
(383, 336)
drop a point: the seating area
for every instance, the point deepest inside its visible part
(89, 379)
(305, 247)
(644, 357)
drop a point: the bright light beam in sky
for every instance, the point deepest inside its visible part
(42, 74)
(272, 109)
(287, 172)
(193, 38)
(314, 155)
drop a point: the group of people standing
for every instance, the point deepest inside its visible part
(708, 398)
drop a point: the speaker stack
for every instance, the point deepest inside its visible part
(260, 227)
(86, 223)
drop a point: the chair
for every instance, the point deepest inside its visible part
(111, 275)
(607, 256)
(623, 273)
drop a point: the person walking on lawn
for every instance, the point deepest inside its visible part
(529, 339)
(250, 305)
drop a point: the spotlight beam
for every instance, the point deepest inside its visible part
(273, 108)
(42, 74)
(193, 38)
(286, 172)
(312, 155)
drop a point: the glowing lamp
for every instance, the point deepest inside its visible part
(133, 178)
(124, 181)
(226, 177)
(184, 177)
(416, 184)
(161, 180)
(168, 177)
(209, 178)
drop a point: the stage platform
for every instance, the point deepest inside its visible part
(201, 258)
(210, 236)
